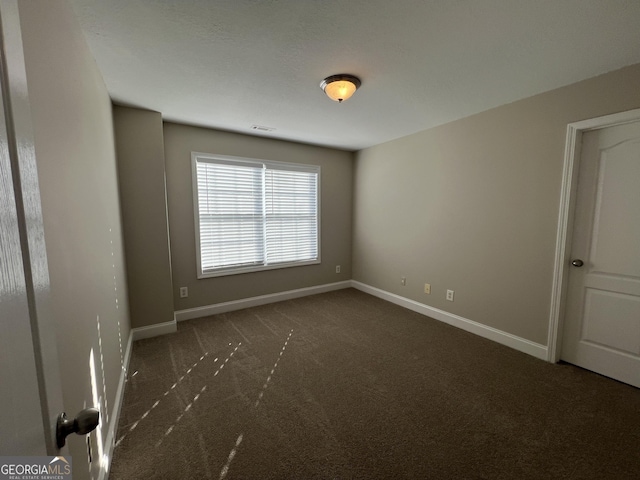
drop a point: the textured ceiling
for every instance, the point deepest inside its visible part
(230, 64)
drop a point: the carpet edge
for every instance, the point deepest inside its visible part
(214, 309)
(109, 444)
(504, 338)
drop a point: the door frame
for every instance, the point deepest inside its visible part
(571, 167)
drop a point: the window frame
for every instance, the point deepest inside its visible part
(228, 159)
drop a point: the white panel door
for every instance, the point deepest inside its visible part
(21, 425)
(602, 321)
(30, 395)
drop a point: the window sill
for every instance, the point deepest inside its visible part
(223, 272)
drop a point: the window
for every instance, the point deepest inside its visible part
(254, 214)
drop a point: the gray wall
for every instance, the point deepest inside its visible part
(336, 197)
(140, 153)
(74, 145)
(472, 206)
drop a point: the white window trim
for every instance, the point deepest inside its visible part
(195, 156)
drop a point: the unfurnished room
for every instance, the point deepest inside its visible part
(320, 239)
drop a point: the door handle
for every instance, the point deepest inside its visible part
(85, 422)
(577, 262)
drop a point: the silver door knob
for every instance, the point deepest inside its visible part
(577, 262)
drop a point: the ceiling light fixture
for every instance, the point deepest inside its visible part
(340, 87)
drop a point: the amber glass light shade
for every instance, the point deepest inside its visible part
(340, 87)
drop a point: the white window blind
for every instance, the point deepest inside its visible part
(291, 215)
(252, 215)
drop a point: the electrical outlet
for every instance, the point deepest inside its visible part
(427, 288)
(450, 295)
(337, 268)
(403, 281)
(184, 292)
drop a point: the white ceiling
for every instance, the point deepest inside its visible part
(230, 64)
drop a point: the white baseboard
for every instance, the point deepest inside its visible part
(518, 343)
(155, 330)
(109, 444)
(217, 308)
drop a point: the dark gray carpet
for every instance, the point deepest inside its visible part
(343, 385)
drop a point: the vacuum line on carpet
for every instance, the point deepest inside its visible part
(237, 329)
(265, 324)
(232, 454)
(195, 399)
(146, 414)
(266, 384)
(234, 450)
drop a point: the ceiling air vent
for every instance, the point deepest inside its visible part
(262, 128)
